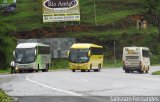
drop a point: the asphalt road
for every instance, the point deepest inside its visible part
(108, 82)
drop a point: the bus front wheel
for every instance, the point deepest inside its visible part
(83, 70)
(127, 71)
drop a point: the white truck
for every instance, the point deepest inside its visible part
(136, 59)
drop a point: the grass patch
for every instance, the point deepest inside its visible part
(156, 73)
(112, 64)
(4, 97)
(59, 64)
(113, 32)
(5, 70)
(115, 16)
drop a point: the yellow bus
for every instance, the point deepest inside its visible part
(85, 57)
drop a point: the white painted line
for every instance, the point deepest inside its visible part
(146, 78)
(56, 89)
(84, 80)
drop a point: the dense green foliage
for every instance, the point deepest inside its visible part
(153, 8)
(4, 97)
(7, 44)
(29, 13)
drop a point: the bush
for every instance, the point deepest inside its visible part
(7, 44)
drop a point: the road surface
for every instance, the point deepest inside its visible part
(108, 82)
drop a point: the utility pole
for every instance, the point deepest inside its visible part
(95, 18)
(114, 52)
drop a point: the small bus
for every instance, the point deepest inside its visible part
(32, 57)
(85, 57)
(136, 59)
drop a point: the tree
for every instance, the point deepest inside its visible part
(7, 44)
(153, 7)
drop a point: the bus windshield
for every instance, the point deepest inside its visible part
(79, 55)
(25, 55)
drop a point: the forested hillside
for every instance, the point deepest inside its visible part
(115, 21)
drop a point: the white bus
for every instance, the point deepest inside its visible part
(136, 59)
(32, 57)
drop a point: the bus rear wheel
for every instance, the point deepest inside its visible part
(99, 69)
(83, 70)
(147, 70)
(47, 67)
(141, 71)
(43, 70)
(36, 70)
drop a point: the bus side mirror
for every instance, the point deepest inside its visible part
(89, 53)
(14, 53)
(68, 53)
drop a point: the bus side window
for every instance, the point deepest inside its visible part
(145, 53)
(43, 50)
(97, 51)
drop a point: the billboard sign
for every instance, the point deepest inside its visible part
(60, 10)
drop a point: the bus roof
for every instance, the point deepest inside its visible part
(135, 47)
(30, 45)
(85, 45)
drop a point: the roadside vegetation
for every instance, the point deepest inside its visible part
(5, 71)
(4, 97)
(156, 73)
(7, 44)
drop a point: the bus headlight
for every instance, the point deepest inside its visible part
(16, 68)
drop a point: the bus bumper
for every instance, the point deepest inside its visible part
(79, 66)
(132, 68)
